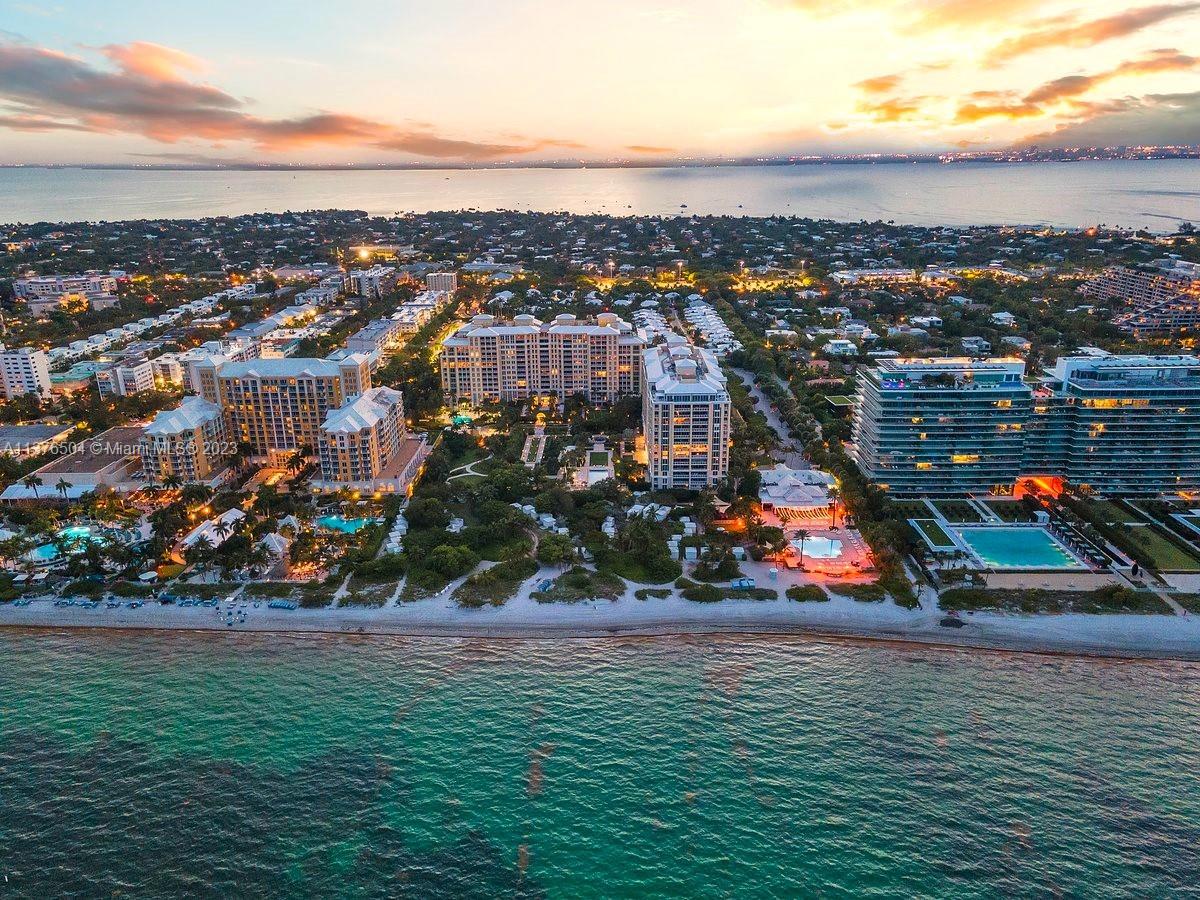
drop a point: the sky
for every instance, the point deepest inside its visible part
(477, 81)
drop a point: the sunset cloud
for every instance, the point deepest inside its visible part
(1087, 34)
(149, 95)
(1065, 98)
(881, 84)
(1171, 118)
(152, 60)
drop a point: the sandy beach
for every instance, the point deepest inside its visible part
(1122, 636)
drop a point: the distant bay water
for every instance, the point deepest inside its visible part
(180, 765)
(1151, 194)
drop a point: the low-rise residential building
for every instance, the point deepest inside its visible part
(685, 416)
(381, 336)
(23, 441)
(55, 286)
(125, 378)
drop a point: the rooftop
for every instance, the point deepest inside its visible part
(98, 453)
(364, 411)
(677, 367)
(189, 415)
(288, 368)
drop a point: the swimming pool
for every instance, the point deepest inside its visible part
(75, 537)
(340, 523)
(1018, 548)
(820, 547)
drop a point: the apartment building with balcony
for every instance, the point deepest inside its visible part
(278, 405)
(1156, 299)
(189, 443)
(1118, 425)
(1115, 425)
(24, 370)
(942, 426)
(492, 360)
(685, 416)
(364, 445)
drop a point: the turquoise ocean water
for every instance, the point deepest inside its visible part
(257, 765)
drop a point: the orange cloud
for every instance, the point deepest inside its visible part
(1087, 34)
(880, 84)
(1007, 105)
(648, 148)
(969, 14)
(1063, 97)
(893, 109)
(152, 61)
(148, 95)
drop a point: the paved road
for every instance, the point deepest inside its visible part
(762, 403)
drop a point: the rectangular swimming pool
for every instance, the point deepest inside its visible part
(1018, 548)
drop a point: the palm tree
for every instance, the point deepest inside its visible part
(194, 492)
(802, 536)
(260, 560)
(778, 545)
(224, 528)
(200, 552)
(706, 509)
(295, 462)
(62, 487)
(33, 483)
(172, 482)
(834, 497)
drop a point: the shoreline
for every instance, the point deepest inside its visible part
(922, 631)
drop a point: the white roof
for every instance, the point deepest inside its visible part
(365, 411)
(287, 368)
(189, 415)
(681, 368)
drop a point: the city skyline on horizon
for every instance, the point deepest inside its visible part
(397, 84)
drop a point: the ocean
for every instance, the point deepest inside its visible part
(266, 765)
(1152, 194)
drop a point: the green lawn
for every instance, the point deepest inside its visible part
(935, 532)
(958, 511)
(1111, 512)
(598, 459)
(910, 509)
(1167, 555)
(1008, 510)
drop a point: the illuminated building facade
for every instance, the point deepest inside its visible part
(685, 416)
(488, 360)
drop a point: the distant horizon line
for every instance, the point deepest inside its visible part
(1021, 155)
